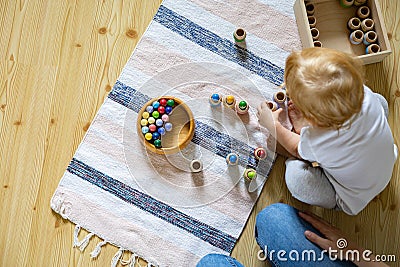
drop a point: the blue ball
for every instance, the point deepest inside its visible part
(149, 109)
(156, 104)
(168, 110)
(159, 122)
(168, 126)
(156, 135)
(232, 158)
(161, 130)
(145, 129)
(215, 97)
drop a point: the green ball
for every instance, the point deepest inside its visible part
(242, 104)
(170, 102)
(251, 175)
(157, 143)
(155, 114)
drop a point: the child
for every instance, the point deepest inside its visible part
(339, 125)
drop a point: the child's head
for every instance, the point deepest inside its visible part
(325, 85)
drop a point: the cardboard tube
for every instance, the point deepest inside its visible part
(359, 2)
(356, 37)
(317, 43)
(272, 105)
(310, 9)
(239, 35)
(312, 21)
(367, 25)
(315, 33)
(354, 24)
(196, 166)
(280, 97)
(372, 49)
(363, 12)
(346, 3)
(370, 37)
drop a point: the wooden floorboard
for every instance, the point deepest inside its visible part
(58, 61)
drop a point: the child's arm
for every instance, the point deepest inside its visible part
(269, 119)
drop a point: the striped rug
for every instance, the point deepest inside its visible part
(151, 204)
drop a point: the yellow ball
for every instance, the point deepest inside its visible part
(230, 99)
(145, 115)
(148, 136)
(151, 120)
(143, 122)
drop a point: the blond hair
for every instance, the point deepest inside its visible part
(325, 85)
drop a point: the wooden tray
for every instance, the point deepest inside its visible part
(182, 131)
(332, 25)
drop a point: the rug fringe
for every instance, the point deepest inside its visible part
(133, 260)
(117, 257)
(96, 251)
(84, 242)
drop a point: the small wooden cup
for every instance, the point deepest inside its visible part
(182, 131)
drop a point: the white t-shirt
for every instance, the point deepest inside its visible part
(358, 160)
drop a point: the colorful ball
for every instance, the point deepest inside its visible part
(215, 100)
(232, 159)
(170, 102)
(145, 129)
(242, 105)
(230, 99)
(156, 104)
(251, 174)
(168, 110)
(163, 102)
(165, 117)
(260, 153)
(143, 122)
(149, 109)
(159, 122)
(151, 120)
(156, 135)
(161, 109)
(152, 128)
(215, 97)
(168, 126)
(155, 114)
(145, 115)
(148, 136)
(161, 130)
(157, 143)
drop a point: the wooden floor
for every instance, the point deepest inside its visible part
(58, 61)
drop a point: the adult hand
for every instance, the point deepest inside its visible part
(335, 242)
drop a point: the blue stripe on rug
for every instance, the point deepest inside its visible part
(220, 46)
(205, 136)
(157, 208)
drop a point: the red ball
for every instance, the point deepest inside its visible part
(152, 128)
(163, 102)
(161, 109)
(261, 154)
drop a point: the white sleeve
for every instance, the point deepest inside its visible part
(305, 148)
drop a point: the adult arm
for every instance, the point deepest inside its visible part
(330, 241)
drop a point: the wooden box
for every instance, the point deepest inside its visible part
(332, 20)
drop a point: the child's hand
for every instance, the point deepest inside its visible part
(268, 118)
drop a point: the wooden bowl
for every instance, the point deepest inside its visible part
(182, 131)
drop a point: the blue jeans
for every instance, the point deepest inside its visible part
(278, 227)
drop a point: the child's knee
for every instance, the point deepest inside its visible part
(297, 172)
